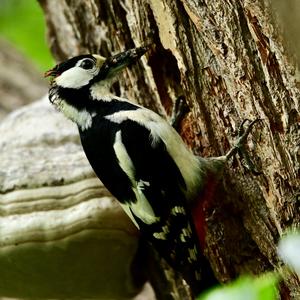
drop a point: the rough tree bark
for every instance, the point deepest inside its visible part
(230, 62)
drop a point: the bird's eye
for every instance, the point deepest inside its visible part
(87, 64)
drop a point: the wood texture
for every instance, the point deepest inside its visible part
(230, 62)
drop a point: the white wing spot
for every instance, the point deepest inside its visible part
(163, 234)
(160, 235)
(186, 232)
(192, 254)
(176, 210)
(142, 184)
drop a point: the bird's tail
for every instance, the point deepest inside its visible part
(176, 240)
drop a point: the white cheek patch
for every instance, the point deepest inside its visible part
(75, 78)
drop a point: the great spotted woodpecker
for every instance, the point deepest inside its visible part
(139, 157)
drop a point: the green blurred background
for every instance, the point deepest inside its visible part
(22, 24)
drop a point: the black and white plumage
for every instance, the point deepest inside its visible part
(137, 155)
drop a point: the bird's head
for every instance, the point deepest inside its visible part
(84, 70)
(79, 81)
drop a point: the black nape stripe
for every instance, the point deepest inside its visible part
(81, 99)
(106, 108)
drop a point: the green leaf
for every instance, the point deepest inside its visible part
(288, 249)
(22, 23)
(246, 288)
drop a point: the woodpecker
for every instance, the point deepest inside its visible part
(139, 157)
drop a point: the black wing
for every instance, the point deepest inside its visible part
(173, 234)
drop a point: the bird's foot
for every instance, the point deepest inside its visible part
(179, 110)
(239, 147)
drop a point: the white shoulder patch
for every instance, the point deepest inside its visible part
(159, 128)
(141, 116)
(141, 208)
(125, 161)
(126, 208)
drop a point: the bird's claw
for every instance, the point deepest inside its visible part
(239, 146)
(179, 110)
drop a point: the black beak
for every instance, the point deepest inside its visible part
(116, 63)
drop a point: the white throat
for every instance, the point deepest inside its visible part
(82, 118)
(101, 90)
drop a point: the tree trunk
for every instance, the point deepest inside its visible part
(229, 61)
